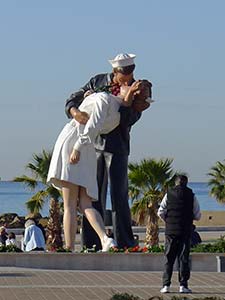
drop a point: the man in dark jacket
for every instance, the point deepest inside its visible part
(178, 209)
(112, 151)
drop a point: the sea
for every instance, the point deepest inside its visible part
(13, 196)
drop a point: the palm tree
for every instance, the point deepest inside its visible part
(217, 181)
(39, 169)
(54, 239)
(148, 182)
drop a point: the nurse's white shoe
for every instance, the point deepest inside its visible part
(108, 243)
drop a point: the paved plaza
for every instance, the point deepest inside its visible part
(36, 284)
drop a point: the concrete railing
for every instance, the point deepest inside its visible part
(206, 262)
(142, 229)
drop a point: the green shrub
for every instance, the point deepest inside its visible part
(217, 247)
(10, 248)
(156, 249)
(124, 296)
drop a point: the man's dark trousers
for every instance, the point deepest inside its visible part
(177, 247)
(114, 167)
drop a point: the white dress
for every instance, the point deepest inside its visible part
(104, 117)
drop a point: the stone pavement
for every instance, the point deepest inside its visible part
(36, 284)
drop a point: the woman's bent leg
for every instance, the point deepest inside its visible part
(91, 213)
(95, 219)
(70, 196)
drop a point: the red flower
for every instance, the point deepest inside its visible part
(135, 249)
(144, 249)
(115, 89)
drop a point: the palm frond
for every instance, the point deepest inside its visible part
(151, 173)
(136, 176)
(39, 168)
(139, 210)
(36, 202)
(40, 165)
(53, 192)
(134, 192)
(28, 181)
(216, 181)
(218, 191)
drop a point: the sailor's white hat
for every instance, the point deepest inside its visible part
(122, 60)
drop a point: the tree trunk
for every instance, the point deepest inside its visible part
(152, 228)
(54, 229)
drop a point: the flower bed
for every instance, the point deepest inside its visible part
(138, 249)
(217, 247)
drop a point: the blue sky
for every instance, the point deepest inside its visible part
(51, 48)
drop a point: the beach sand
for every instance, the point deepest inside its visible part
(209, 218)
(212, 218)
